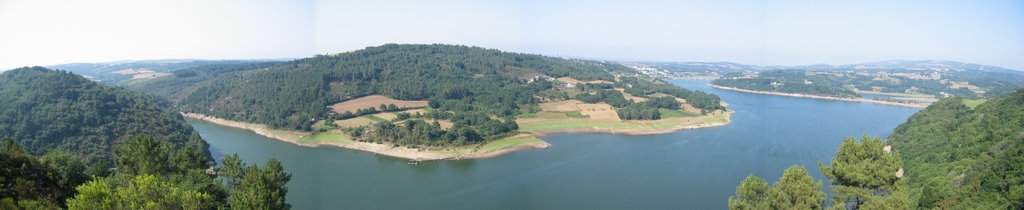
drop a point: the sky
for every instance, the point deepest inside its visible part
(46, 32)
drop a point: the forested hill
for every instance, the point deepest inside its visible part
(962, 158)
(458, 79)
(56, 110)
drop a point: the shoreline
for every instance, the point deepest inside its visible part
(381, 149)
(530, 139)
(798, 95)
(633, 132)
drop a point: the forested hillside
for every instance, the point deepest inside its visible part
(471, 86)
(963, 158)
(953, 157)
(182, 83)
(790, 81)
(56, 110)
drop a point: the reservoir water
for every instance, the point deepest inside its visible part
(689, 169)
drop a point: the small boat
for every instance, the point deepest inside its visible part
(414, 162)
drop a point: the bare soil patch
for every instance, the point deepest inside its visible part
(373, 101)
(354, 122)
(571, 80)
(600, 111)
(631, 96)
(561, 106)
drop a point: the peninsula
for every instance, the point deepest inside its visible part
(454, 102)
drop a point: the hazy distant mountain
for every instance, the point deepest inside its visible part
(118, 72)
(932, 77)
(726, 67)
(704, 67)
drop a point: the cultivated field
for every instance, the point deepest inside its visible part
(141, 73)
(599, 111)
(571, 80)
(373, 101)
(561, 106)
(631, 96)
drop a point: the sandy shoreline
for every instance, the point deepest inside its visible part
(864, 100)
(382, 149)
(457, 153)
(631, 132)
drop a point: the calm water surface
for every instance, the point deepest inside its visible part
(690, 169)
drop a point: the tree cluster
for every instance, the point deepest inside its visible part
(149, 174)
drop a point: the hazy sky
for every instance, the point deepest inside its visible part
(44, 32)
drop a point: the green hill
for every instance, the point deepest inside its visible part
(962, 158)
(56, 110)
(478, 90)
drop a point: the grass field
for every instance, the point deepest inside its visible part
(323, 137)
(375, 118)
(973, 102)
(509, 142)
(527, 115)
(554, 125)
(354, 122)
(576, 114)
(388, 116)
(674, 113)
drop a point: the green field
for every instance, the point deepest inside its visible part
(973, 102)
(576, 114)
(509, 142)
(674, 113)
(375, 118)
(323, 137)
(527, 115)
(553, 125)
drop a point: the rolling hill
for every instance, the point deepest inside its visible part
(479, 92)
(47, 110)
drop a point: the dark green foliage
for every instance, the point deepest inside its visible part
(56, 110)
(146, 155)
(144, 177)
(864, 176)
(795, 190)
(751, 194)
(27, 181)
(261, 188)
(959, 158)
(663, 102)
(639, 112)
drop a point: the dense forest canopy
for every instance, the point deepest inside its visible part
(56, 110)
(963, 158)
(478, 89)
(149, 174)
